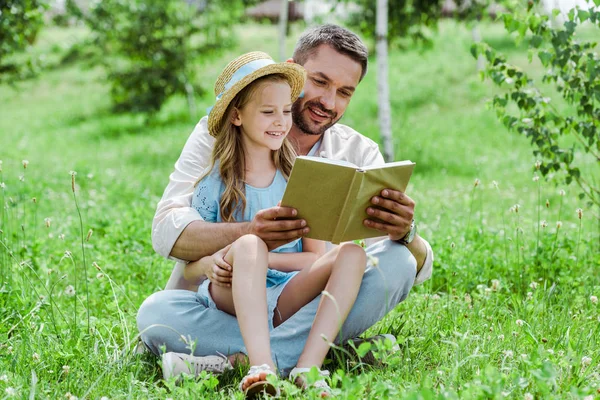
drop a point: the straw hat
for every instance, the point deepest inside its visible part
(244, 70)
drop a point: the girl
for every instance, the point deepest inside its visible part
(251, 161)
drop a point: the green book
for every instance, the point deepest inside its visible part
(333, 196)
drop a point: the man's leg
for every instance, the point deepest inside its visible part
(383, 287)
(168, 317)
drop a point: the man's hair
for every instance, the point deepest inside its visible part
(340, 39)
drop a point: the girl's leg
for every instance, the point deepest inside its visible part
(248, 295)
(343, 285)
(304, 287)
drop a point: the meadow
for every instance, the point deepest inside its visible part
(510, 312)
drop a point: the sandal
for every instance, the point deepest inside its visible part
(298, 378)
(257, 388)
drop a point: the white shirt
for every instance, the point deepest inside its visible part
(174, 212)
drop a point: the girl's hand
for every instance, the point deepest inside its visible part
(217, 270)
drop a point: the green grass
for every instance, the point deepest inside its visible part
(460, 333)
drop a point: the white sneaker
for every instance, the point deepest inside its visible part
(175, 364)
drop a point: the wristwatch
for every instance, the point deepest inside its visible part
(410, 235)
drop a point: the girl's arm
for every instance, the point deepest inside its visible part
(311, 250)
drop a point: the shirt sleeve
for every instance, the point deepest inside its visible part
(373, 157)
(174, 212)
(427, 268)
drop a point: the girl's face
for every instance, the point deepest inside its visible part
(267, 118)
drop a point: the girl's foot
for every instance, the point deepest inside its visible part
(298, 377)
(255, 382)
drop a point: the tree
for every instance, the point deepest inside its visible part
(566, 143)
(20, 22)
(388, 21)
(149, 47)
(383, 90)
(283, 28)
(406, 18)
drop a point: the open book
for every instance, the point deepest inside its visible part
(333, 196)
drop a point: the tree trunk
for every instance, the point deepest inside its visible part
(383, 90)
(283, 22)
(477, 38)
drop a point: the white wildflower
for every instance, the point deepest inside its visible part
(558, 224)
(527, 121)
(495, 284)
(533, 285)
(36, 357)
(585, 361)
(69, 291)
(550, 351)
(99, 275)
(66, 369)
(22, 178)
(4, 378)
(25, 164)
(48, 222)
(500, 337)
(529, 295)
(61, 236)
(594, 299)
(538, 164)
(2, 185)
(524, 356)
(476, 183)
(519, 322)
(508, 353)
(495, 184)
(579, 212)
(561, 193)
(10, 392)
(528, 396)
(536, 178)
(373, 260)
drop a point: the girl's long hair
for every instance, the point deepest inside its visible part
(228, 150)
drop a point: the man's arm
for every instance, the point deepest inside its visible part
(273, 225)
(173, 212)
(178, 231)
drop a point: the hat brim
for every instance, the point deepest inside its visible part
(294, 74)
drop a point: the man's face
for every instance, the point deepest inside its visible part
(331, 81)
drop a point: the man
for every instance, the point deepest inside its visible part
(181, 320)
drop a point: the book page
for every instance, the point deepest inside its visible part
(375, 180)
(318, 190)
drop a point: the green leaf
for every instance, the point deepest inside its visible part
(583, 15)
(536, 41)
(363, 349)
(545, 57)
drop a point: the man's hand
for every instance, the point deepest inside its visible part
(216, 269)
(277, 226)
(395, 213)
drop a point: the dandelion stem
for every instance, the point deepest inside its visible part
(539, 206)
(87, 292)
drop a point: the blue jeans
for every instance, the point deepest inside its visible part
(167, 316)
